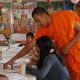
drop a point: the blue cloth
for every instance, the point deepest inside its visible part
(52, 69)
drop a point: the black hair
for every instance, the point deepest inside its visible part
(30, 34)
(38, 11)
(45, 44)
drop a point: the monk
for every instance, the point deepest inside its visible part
(64, 28)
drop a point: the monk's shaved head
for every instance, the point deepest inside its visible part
(38, 11)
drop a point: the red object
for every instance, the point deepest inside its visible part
(48, 0)
(1, 4)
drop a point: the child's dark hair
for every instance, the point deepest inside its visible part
(45, 44)
(30, 34)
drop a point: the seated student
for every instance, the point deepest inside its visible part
(33, 54)
(3, 77)
(51, 66)
(29, 38)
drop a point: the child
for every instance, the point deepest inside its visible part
(33, 54)
(51, 66)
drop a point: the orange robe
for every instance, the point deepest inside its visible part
(61, 29)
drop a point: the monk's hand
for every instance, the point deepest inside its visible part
(65, 50)
(8, 64)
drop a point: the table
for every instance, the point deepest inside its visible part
(16, 76)
(7, 54)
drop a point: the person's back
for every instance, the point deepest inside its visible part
(57, 71)
(50, 66)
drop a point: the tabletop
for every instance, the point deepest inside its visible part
(7, 54)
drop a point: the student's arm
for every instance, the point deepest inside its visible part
(74, 40)
(23, 52)
(40, 74)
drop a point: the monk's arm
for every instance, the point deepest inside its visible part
(77, 36)
(24, 51)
